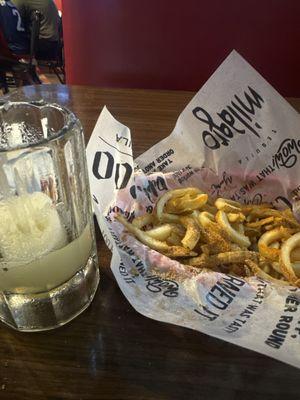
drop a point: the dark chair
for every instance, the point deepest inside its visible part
(3, 82)
(34, 37)
(5, 54)
(57, 63)
(14, 73)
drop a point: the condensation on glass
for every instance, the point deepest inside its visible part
(48, 264)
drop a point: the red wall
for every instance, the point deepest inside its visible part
(178, 44)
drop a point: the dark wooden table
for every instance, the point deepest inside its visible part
(110, 351)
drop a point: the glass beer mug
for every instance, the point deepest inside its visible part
(48, 263)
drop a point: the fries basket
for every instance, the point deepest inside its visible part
(238, 140)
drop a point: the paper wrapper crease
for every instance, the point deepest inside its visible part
(239, 139)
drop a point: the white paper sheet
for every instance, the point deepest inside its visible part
(237, 138)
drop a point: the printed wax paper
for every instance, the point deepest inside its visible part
(239, 139)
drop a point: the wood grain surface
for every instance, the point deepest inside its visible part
(110, 351)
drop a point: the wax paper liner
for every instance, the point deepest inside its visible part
(237, 138)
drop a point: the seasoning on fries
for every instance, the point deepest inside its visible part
(222, 235)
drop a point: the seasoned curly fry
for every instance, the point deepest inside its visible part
(217, 238)
(249, 208)
(174, 251)
(230, 257)
(285, 258)
(186, 203)
(235, 236)
(161, 232)
(143, 220)
(222, 235)
(259, 272)
(236, 217)
(177, 193)
(285, 216)
(260, 222)
(272, 236)
(192, 234)
(227, 205)
(205, 219)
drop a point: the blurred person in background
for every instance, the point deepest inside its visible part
(14, 48)
(13, 30)
(48, 43)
